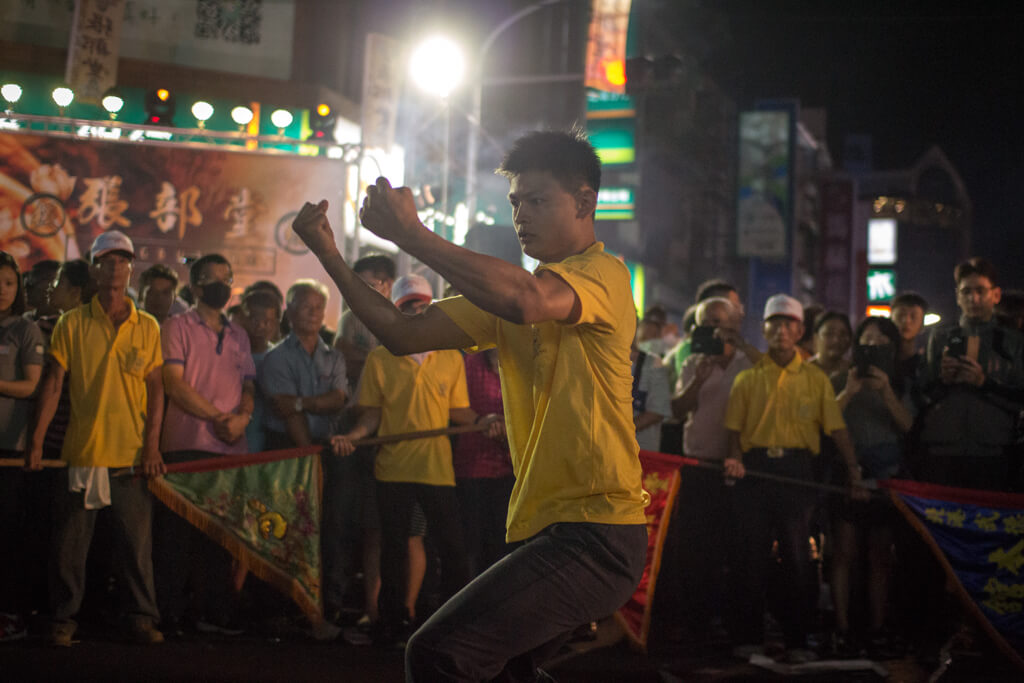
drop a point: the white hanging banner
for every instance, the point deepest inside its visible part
(93, 48)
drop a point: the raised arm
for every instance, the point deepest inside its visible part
(492, 284)
(401, 334)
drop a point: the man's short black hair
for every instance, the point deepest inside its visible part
(196, 271)
(567, 155)
(265, 286)
(715, 287)
(909, 299)
(820, 320)
(378, 264)
(41, 272)
(976, 266)
(261, 298)
(158, 271)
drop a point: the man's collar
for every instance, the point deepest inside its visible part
(98, 311)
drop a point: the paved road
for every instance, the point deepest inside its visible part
(100, 656)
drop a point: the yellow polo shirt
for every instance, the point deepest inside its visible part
(567, 391)
(785, 407)
(107, 371)
(412, 398)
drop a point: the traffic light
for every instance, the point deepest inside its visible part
(160, 107)
(321, 123)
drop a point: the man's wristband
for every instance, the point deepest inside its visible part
(478, 418)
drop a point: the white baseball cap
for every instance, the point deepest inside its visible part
(111, 240)
(783, 304)
(411, 286)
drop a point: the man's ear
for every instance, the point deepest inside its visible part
(586, 202)
(997, 294)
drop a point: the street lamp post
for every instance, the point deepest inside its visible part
(436, 67)
(473, 144)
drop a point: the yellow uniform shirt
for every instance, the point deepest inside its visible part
(107, 370)
(412, 398)
(784, 407)
(567, 391)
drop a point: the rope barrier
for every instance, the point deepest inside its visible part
(242, 460)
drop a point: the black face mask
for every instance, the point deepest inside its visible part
(215, 294)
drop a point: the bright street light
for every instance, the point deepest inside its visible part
(63, 97)
(202, 111)
(11, 92)
(437, 66)
(282, 118)
(241, 115)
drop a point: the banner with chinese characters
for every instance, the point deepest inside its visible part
(263, 508)
(382, 84)
(94, 47)
(661, 481)
(978, 538)
(175, 202)
(606, 46)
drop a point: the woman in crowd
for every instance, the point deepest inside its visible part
(21, 365)
(877, 421)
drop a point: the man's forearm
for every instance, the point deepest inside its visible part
(370, 306)
(325, 404)
(46, 404)
(298, 429)
(188, 399)
(367, 423)
(647, 419)
(154, 412)
(492, 284)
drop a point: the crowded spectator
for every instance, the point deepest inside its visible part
(303, 381)
(807, 345)
(650, 397)
(354, 339)
(675, 358)
(110, 354)
(156, 292)
(261, 313)
(975, 379)
(281, 328)
(775, 415)
(908, 311)
(870, 397)
(209, 377)
(701, 395)
(421, 391)
(21, 364)
(36, 285)
(483, 468)
(651, 332)
(832, 337)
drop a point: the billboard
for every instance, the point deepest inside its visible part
(606, 46)
(765, 183)
(175, 202)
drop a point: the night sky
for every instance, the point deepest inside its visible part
(910, 76)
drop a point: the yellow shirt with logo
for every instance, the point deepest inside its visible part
(107, 371)
(414, 397)
(783, 407)
(567, 390)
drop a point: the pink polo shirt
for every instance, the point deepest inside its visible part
(215, 366)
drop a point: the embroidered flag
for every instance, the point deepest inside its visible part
(264, 509)
(978, 538)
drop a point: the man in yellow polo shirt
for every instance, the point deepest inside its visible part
(563, 335)
(776, 411)
(418, 392)
(112, 353)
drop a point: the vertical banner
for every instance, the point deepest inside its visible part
(93, 48)
(606, 46)
(382, 83)
(661, 481)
